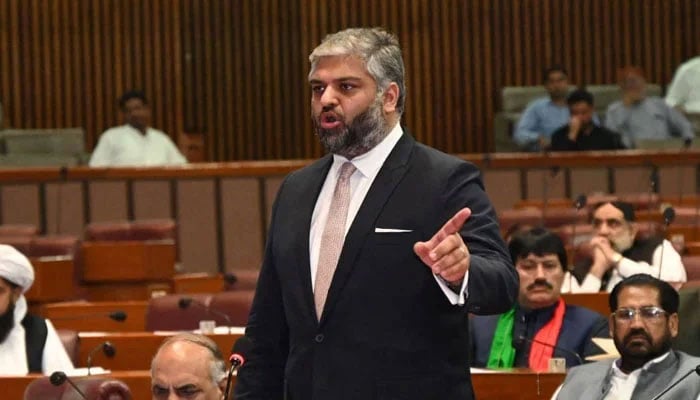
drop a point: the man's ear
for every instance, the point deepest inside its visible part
(673, 324)
(390, 98)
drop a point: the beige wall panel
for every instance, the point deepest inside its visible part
(242, 221)
(20, 204)
(502, 187)
(197, 225)
(272, 185)
(632, 180)
(108, 201)
(545, 183)
(588, 180)
(677, 181)
(152, 199)
(64, 208)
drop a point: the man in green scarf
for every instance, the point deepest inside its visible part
(526, 336)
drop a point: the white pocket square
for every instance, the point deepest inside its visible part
(391, 230)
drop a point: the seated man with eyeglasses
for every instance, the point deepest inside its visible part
(618, 251)
(643, 322)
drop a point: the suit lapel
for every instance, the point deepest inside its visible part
(310, 189)
(389, 176)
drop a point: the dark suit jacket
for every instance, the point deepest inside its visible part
(580, 325)
(387, 330)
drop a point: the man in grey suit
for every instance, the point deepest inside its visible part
(376, 253)
(643, 322)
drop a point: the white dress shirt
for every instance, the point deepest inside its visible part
(13, 354)
(684, 89)
(126, 146)
(671, 270)
(368, 166)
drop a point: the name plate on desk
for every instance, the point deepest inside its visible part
(107, 261)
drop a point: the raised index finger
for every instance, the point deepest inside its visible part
(452, 226)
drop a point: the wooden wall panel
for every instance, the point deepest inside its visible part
(235, 71)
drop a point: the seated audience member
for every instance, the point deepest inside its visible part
(619, 252)
(638, 117)
(188, 366)
(582, 133)
(545, 115)
(643, 323)
(684, 91)
(135, 143)
(524, 336)
(28, 343)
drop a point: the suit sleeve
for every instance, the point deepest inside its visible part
(262, 376)
(492, 283)
(599, 329)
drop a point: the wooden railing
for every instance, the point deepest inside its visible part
(222, 208)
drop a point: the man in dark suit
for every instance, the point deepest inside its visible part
(376, 253)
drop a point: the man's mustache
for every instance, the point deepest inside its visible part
(540, 283)
(637, 332)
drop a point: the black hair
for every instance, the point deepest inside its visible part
(626, 208)
(132, 94)
(553, 68)
(668, 296)
(579, 95)
(538, 241)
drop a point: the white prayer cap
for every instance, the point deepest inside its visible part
(15, 267)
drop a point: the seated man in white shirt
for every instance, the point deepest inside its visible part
(28, 343)
(643, 322)
(135, 144)
(618, 252)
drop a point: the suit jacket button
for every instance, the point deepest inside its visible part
(319, 338)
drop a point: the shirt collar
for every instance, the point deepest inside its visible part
(368, 164)
(621, 374)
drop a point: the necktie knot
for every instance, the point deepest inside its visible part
(346, 171)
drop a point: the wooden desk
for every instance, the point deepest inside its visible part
(53, 279)
(597, 302)
(516, 385)
(67, 315)
(134, 350)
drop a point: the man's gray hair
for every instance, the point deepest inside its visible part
(217, 366)
(377, 48)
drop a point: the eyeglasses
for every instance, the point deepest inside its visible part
(650, 314)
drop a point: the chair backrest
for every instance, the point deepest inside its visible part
(688, 339)
(245, 279)
(692, 267)
(139, 230)
(68, 141)
(108, 231)
(236, 304)
(516, 98)
(530, 216)
(94, 388)
(18, 230)
(165, 314)
(603, 96)
(54, 245)
(71, 342)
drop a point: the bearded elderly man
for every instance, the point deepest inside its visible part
(28, 343)
(618, 252)
(643, 322)
(376, 253)
(541, 325)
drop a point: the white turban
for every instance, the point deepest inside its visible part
(15, 267)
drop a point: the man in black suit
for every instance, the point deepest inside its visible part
(376, 253)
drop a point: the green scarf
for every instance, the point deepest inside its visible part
(502, 353)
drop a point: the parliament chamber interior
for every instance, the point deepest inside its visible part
(131, 255)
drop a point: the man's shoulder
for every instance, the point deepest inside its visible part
(582, 312)
(537, 104)
(587, 370)
(615, 107)
(687, 359)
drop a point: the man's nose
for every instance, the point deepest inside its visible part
(539, 271)
(329, 97)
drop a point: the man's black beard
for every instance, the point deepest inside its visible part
(7, 321)
(635, 359)
(364, 132)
